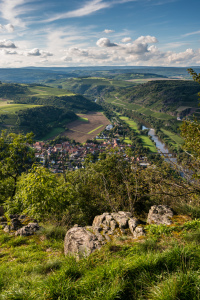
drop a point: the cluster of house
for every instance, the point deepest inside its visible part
(72, 156)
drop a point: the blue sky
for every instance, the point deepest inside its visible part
(99, 33)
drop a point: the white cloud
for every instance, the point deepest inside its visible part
(9, 28)
(88, 8)
(38, 52)
(146, 39)
(105, 42)
(11, 10)
(126, 40)
(7, 44)
(192, 33)
(108, 31)
(8, 52)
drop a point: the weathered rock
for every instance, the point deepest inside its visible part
(115, 224)
(122, 218)
(139, 231)
(160, 214)
(15, 224)
(133, 223)
(81, 242)
(27, 230)
(7, 228)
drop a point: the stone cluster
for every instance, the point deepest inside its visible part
(19, 225)
(82, 241)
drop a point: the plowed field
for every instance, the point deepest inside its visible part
(80, 130)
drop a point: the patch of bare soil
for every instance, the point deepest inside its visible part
(80, 130)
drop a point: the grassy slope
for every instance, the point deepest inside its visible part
(162, 266)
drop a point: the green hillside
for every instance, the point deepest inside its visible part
(39, 108)
(168, 96)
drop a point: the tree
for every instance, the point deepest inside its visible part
(190, 130)
(16, 157)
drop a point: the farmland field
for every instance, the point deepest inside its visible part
(12, 108)
(80, 130)
(44, 91)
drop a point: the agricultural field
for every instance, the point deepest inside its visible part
(177, 139)
(12, 108)
(44, 91)
(81, 130)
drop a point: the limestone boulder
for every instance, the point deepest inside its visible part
(80, 242)
(160, 214)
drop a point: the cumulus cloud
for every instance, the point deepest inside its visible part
(38, 52)
(146, 39)
(8, 52)
(108, 31)
(105, 42)
(126, 40)
(7, 44)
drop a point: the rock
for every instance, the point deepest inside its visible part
(133, 223)
(81, 242)
(122, 218)
(139, 231)
(7, 228)
(160, 214)
(15, 224)
(27, 230)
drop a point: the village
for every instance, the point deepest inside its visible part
(70, 155)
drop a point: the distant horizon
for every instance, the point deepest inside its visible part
(106, 66)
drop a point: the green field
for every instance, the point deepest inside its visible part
(12, 108)
(83, 119)
(54, 132)
(177, 139)
(43, 92)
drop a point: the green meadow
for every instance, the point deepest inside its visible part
(12, 108)
(164, 265)
(44, 91)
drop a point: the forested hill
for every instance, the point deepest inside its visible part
(163, 95)
(39, 108)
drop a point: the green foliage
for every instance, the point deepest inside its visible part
(15, 157)
(41, 194)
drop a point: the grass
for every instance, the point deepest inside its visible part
(44, 91)
(95, 129)
(83, 119)
(12, 108)
(54, 132)
(164, 265)
(177, 139)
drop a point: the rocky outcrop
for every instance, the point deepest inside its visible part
(115, 223)
(27, 230)
(160, 214)
(19, 224)
(81, 242)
